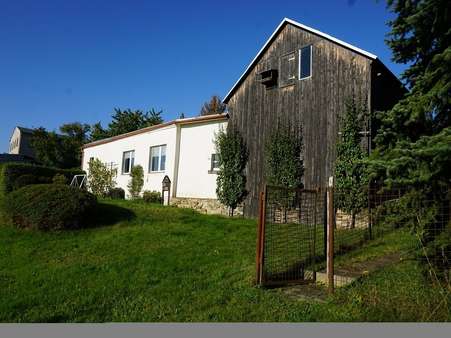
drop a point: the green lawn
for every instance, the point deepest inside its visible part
(152, 263)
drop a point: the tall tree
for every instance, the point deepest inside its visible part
(231, 180)
(97, 132)
(351, 176)
(60, 150)
(214, 106)
(124, 121)
(283, 157)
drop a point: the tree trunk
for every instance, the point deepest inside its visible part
(352, 219)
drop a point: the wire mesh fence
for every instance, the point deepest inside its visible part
(293, 231)
(291, 235)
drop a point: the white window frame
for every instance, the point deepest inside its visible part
(160, 146)
(300, 62)
(132, 162)
(213, 170)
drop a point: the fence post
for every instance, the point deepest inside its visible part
(330, 239)
(260, 236)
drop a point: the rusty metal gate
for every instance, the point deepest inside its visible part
(291, 235)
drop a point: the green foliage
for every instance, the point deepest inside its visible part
(214, 106)
(136, 181)
(116, 193)
(124, 121)
(413, 143)
(49, 207)
(59, 179)
(233, 155)
(283, 162)
(16, 175)
(60, 150)
(152, 196)
(351, 174)
(101, 179)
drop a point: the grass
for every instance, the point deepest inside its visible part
(152, 263)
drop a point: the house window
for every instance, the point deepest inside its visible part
(288, 69)
(305, 62)
(157, 161)
(128, 160)
(214, 167)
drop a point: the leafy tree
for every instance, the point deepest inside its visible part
(182, 116)
(72, 138)
(60, 150)
(101, 179)
(351, 176)
(136, 181)
(124, 121)
(283, 151)
(97, 132)
(233, 155)
(214, 106)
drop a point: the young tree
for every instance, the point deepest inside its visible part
(283, 157)
(233, 155)
(101, 178)
(351, 177)
(136, 181)
(214, 106)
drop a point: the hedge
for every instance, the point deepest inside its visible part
(14, 176)
(49, 207)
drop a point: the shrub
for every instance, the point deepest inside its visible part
(116, 193)
(59, 179)
(233, 156)
(152, 196)
(100, 177)
(10, 173)
(49, 206)
(136, 182)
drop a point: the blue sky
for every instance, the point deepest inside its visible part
(65, 61)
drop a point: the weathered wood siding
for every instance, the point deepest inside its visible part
(314, 103)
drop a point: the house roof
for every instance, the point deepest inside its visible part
(185, 121)
(25, 130)
(284, 22)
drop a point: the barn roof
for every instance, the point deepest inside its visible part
(284, 22)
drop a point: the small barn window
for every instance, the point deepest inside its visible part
(157, 161)
(305, 62)
(128, 160)
(288, 69)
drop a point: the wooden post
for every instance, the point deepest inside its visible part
(330, 239)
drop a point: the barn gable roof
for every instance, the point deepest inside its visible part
(284, 22)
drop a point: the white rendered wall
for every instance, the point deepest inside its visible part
(196, 147)
(112, 153)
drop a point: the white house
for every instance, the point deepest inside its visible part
(182, 149)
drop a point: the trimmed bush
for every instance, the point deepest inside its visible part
(116, 194)
(10, 173)
(152, 196)
(49, 207)
(59, 179)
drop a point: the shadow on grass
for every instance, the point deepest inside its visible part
(108, 214)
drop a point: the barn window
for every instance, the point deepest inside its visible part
(288, 69)
(305, 62)
(128, 160)
(157, 161)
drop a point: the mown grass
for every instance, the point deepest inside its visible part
(151, 263)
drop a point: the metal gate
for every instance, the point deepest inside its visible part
(291, 235)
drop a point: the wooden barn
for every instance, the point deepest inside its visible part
(303, 77)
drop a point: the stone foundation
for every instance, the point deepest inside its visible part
(204, 205)
(344, 220)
